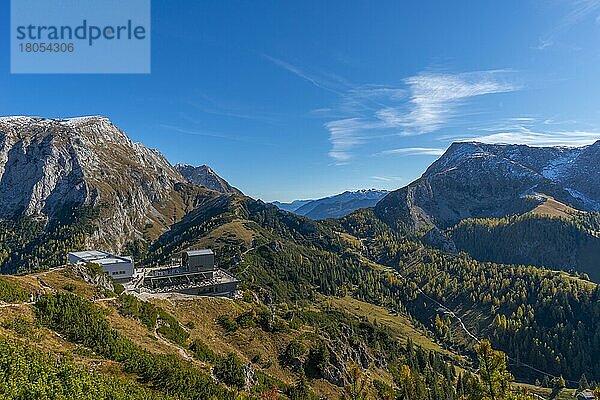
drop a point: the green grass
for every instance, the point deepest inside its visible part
(11, 292)
(400, 325)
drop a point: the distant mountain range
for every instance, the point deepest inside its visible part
(334, 206)
(291, 206)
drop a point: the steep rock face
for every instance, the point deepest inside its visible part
(476, 180)
(206, 177)
(48, 166)
(582, 177)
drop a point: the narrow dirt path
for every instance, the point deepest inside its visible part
(105, 299)
(180, 350)
(6, 305)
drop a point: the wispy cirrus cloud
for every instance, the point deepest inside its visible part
(434, 98)
(426, 103)
(328, 83)
(345, 134)
(579, 11)
(413, 151)
(422, 103)
(209, 106)
(387, 178)
(208, 134)
(524, 135)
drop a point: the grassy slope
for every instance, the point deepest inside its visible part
(554, 208)
(400, 325)
(203, 312)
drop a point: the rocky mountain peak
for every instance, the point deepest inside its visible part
(204, 176)
(474, 179)
(50, 165)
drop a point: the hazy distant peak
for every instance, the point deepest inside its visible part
(334, 206)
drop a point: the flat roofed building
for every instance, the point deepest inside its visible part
(197, 274)
(118, 267)
(218, 283)
(198, 260)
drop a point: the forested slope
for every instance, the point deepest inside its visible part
(544, 318)
(539, 317)
(553, 242)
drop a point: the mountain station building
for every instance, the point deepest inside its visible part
(120, 268)
(195, 274)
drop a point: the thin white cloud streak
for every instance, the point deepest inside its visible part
(429, 102)
(580, 10)
(535, 138)
(526, 124)
(196, 132)
(231, 112)
(413, 151)
(387, 178)
(321, 83)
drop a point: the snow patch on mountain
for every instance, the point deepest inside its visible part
(589, 203)
(335, 206)
(558, 167)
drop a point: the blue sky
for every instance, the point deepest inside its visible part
(302, 99)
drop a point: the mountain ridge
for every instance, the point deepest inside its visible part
(335, 206)
(51, 166)
(204, 176)
(478, 180)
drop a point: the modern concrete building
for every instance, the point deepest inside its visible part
(198, 260)
(196, 274)
(118, 267)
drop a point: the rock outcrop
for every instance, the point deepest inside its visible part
(50, 166)
(206, 177)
